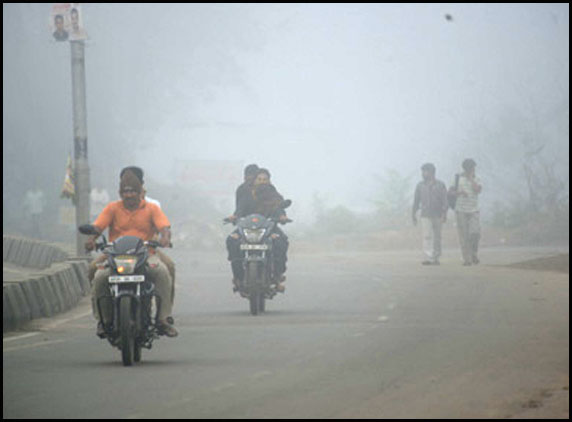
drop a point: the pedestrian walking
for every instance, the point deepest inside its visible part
(431, 197)
(467, 191)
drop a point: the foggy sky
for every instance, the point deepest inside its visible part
(325, 96)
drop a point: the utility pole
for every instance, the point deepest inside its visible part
(81, 177)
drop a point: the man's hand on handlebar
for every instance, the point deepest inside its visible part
(165, 239)
(283, 219)
(230, 219)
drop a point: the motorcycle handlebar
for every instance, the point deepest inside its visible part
(288, 220)
(151, 243)
(99, 246)
(155, 244)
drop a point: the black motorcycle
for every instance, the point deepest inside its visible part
(134, 301)
(256, 242)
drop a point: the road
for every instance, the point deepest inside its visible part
(357, 335)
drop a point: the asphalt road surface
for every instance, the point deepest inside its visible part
(356, 335)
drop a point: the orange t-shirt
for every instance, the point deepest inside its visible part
(143, 222)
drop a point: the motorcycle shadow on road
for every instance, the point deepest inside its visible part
(117, 363)
(156, 363)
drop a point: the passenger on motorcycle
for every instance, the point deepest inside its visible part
(165, 259)
(267, 202)
(132, 216)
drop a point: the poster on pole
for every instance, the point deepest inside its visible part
(66, 22)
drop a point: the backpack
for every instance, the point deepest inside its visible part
(452, 193)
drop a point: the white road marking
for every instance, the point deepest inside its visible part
(262, 374)
(31, 346)
(223, 387)
(56, 324)
(46, 327)
(383, 318)
(9, 339)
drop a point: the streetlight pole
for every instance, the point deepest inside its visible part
(82, 185)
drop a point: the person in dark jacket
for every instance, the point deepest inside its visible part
(245, 205)
(244, 200)
(431, 197)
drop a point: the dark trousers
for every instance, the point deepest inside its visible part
(236, 256)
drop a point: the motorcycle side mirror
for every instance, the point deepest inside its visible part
(285, 204)
(88, 229)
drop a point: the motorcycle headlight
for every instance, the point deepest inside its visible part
(125, 264)
(254, 236)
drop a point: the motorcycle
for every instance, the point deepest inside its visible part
(256, 234)
(135, 303)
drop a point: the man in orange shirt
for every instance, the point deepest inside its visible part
(132, 216)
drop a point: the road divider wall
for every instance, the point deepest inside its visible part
(52, 283)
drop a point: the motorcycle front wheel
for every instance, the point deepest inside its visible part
(137, 353)
(254, 303)
(126, 328)
(252, 281)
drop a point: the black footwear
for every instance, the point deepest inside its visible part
(436, 262)
(235, 285)
(467, 264)
(167, 329)
(476, 260)
(101, 332)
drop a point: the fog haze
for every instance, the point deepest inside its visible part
(328, 97)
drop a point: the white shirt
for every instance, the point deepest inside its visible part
(470, 202)
(153, 201)
(99, 199)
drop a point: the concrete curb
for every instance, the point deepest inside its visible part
(33, 299)
(57, 287)
(15, 307)
(32, 253)
(47, 302)
(5, 247)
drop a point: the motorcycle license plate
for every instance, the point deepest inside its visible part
(126, 279)
(253, 247)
